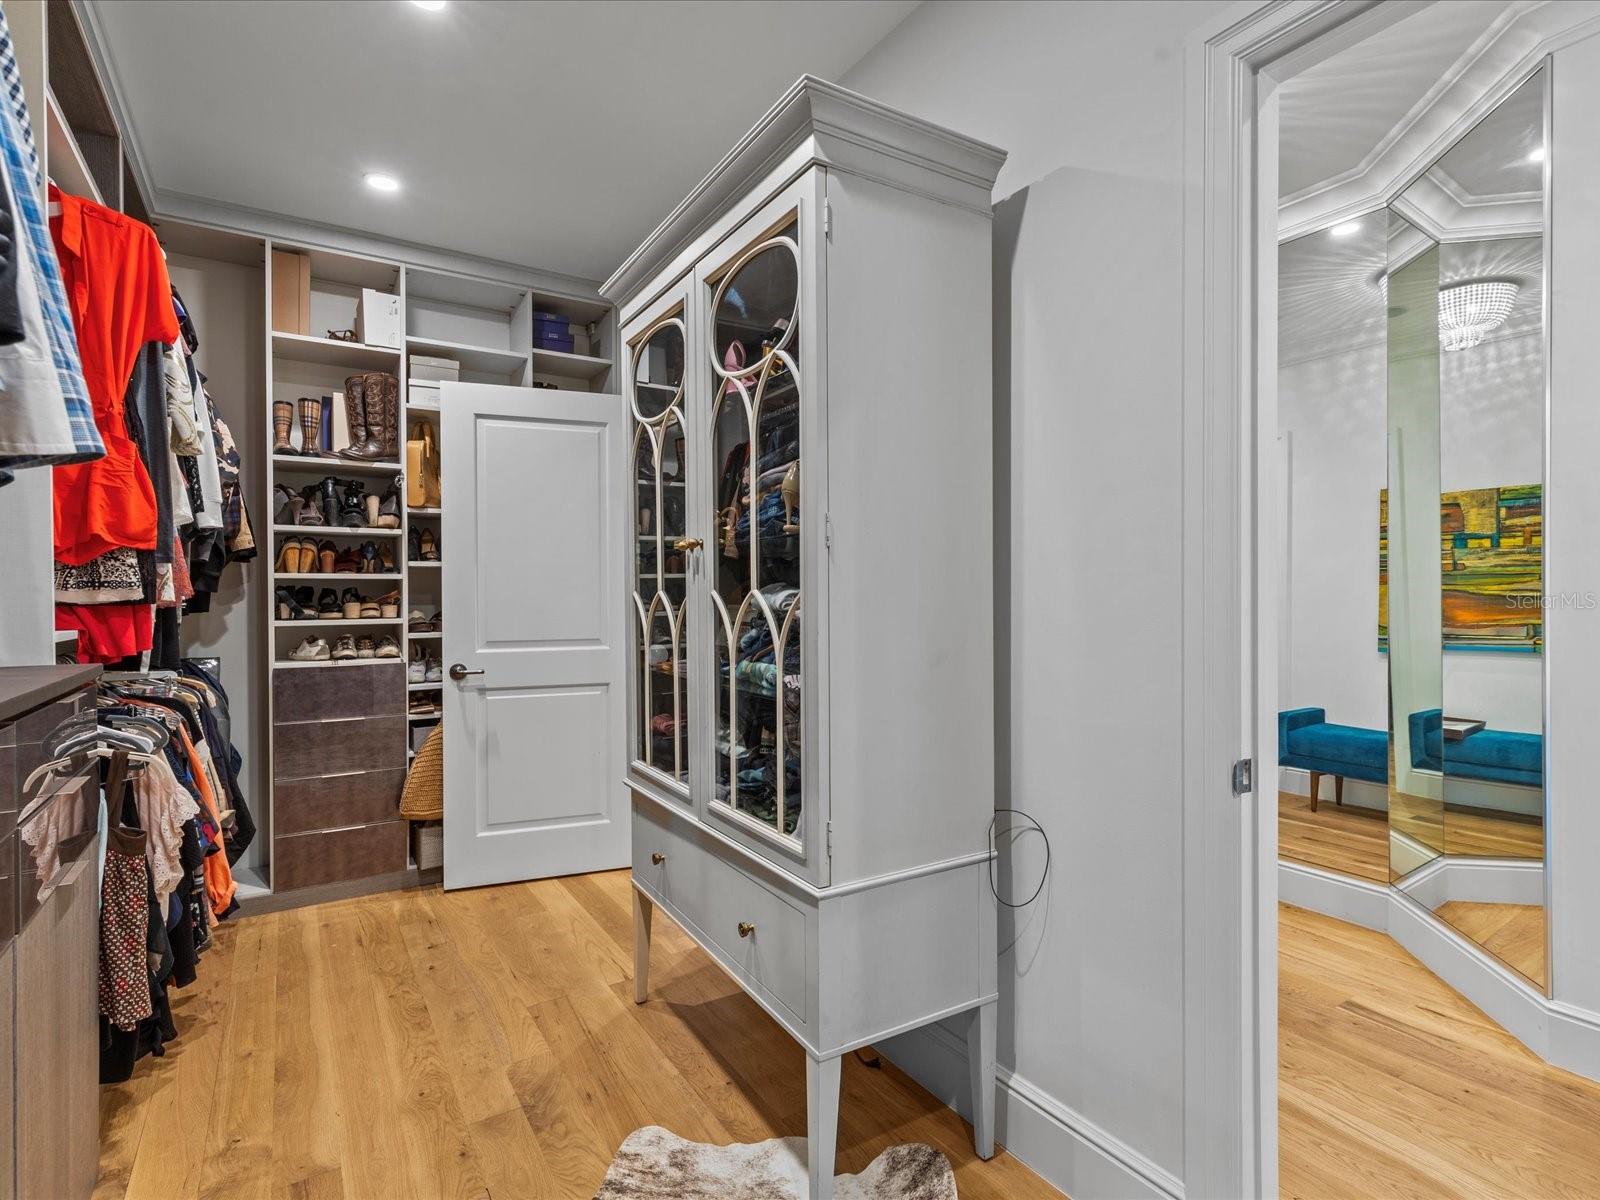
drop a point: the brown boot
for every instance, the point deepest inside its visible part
(355, 417)
(282, 422)
(383, 413)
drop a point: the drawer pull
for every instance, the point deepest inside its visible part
(657, 858)
(746, 928)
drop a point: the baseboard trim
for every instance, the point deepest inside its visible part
(1058, 1143)
(1562, 1034)
(1479, 880)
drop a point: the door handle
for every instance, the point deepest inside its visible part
(459, 671)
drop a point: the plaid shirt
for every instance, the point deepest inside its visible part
(22, 168)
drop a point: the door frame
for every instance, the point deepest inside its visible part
(1230, 683)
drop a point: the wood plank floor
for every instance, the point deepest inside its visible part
(1392, 1085)
(1513, 933)
(485, 1044)
(475, 1044)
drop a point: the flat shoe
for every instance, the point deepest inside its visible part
(313, 649)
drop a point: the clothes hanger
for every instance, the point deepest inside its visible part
(77, 762)
(52, 194)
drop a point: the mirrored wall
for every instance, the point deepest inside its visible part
(1413, 357)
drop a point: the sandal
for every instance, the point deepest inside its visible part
(386, 558)
(310, 512)
(371, 610)
(286, 505)
(350, 603)
(389, 508)
(328, 608)
(289, 606)
(389, 604)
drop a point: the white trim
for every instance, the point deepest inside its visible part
(1493, 67)
(1477, 880)
(1056, 1141)
(1562, 1034)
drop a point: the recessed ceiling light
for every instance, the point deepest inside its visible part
(429, 5)
(1346, 229)
(1537, 156)
(379, 182)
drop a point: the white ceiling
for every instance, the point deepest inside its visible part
(1336, 116)
(550, 135)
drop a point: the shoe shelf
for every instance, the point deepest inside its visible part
(322, 531)
(435, 511)
(427, 716)
(420, 562)
(284, 664)
(329, 352)
(570, 366)
(340, 622)
(426, 633)
(333, 466)
(425, 687)
(344, 576)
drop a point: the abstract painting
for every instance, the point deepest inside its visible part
(1491, 543)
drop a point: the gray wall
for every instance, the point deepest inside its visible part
(1088, 100)
(226, 302)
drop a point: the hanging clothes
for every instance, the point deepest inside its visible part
(116, 282)
(46, 416)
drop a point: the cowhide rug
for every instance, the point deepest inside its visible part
(653, 1164)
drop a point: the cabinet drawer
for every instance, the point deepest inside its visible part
(322, 748)
(316, 695)
(308, 859)
(334, 801)
(716, 896)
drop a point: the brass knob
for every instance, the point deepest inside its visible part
(746, 928)
(657, 858)
(688, 544)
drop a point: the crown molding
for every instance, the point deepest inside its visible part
(1491, 69)
(1436, 209)
(840, 129)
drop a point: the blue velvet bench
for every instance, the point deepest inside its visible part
(1308, 741)
(1493, 755)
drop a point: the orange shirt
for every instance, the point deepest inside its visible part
(120, 297)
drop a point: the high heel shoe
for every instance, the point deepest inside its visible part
(309, 559)
(389, 508)
(414, 544)
(288, 557)
(428, 544)
(369, 558)
(353, 506)
(389, 603)
(289, 607)
(327, 557)
(386, 559)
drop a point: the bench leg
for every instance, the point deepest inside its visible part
(1316, 782)
(1338, 789)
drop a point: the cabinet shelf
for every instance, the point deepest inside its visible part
(333, 466)
(339, 622)
(332, 531)
(426, 512)
(329, 352)
(488, 359)
(570, 366)
(336, 576)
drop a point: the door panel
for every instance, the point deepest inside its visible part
(533, 732)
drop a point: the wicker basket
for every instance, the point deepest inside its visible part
(427, 844)
(423, 798)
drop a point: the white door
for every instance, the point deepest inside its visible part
(533, 637)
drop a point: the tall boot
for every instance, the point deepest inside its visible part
(355, 416)
(311, 427)
(383, 413)
(330, 501)
(282, 422)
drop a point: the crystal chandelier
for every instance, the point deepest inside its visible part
(1469, 311)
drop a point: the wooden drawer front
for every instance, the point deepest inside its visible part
(325, 748)
(308, 859)
(334, 801)
(715, 896)
(316, 694)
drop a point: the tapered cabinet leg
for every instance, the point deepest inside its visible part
(642, 910)
(1316, 785)
(980, 1063)
(822, 1123)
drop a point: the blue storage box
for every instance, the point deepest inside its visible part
(552, 331)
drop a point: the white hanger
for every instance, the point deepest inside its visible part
(78, 760)
(53, 207)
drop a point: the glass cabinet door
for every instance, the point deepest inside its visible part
(753, 340)
(660, 525)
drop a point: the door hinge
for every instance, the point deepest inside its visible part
(827, 530)
(830, 839)
(827, 218)
(1243, 770)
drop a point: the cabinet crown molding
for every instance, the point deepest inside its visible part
(843, 130)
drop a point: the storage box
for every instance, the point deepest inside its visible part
(426, 368)
(378, 319)
(427, 844)
(422, 391)
(552, 331)
(291, 292)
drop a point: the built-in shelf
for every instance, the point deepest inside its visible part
(424, 687)
(417, 562)
(329, 352)
(569, 366)
(333, 466)
(488, 359)
(284, 665)
(322, 531)
(422, 406)
(336, 576)
(329, 622)
(430, 716)
(426, 512)
(426, 633)
(68, 167)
